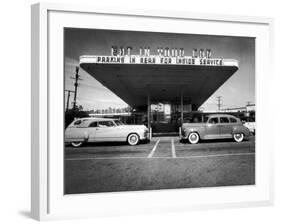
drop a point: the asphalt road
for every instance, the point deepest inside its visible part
(164, 163)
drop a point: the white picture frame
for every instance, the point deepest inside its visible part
(48, 201)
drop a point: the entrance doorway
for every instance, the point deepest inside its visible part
(161, 118)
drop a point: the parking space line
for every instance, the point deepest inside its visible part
(207, 156)
(179, 157)
(154, 149)
(218, 155)
(173, 149)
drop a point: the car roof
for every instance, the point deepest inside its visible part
(95, 119)
(221, 115)
(87, 120)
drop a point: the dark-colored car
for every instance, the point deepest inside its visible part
(215, 126)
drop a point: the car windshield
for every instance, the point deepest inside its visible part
(206, 118)
(118, 123)
(196, 118)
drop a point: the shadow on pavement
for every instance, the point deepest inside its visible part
(98, 144)
(185, 141)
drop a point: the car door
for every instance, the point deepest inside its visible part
(92, 129)
(212, 130)
(225, 127)
(106, 131)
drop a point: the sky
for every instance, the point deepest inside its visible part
(235, 92)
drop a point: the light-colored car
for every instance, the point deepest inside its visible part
(251, 125)
(85, 130)
(215, 126)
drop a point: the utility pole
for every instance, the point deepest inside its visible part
(68, 96)
(76, 78)
(219, 102)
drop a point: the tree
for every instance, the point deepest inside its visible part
(76, 112)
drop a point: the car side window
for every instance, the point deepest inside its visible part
(93, 124)
(105, 124)
(213, 120)
(233, 120)
(224, 120)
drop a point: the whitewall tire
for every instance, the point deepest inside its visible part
(193, 138)
(238, 137)
(76, 144)
(133, 139)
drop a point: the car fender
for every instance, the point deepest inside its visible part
(187, 131)
(128, 129)
(125, 132)
(132, 132)
(240, 129)
(75, 134)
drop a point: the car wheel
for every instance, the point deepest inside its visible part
(133, 139)
(193, 138)
(76, 144)
(238, 137)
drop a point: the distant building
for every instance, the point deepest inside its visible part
(247, 108)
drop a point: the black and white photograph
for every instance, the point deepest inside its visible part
(157, 110)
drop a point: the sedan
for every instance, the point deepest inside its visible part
(215, 126)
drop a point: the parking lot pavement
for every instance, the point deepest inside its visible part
(160, 147)
(164, 163)
(211, 148)
(164, 148)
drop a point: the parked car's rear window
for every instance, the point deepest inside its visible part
(232, 120)
(77, 122)
(224, 120)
